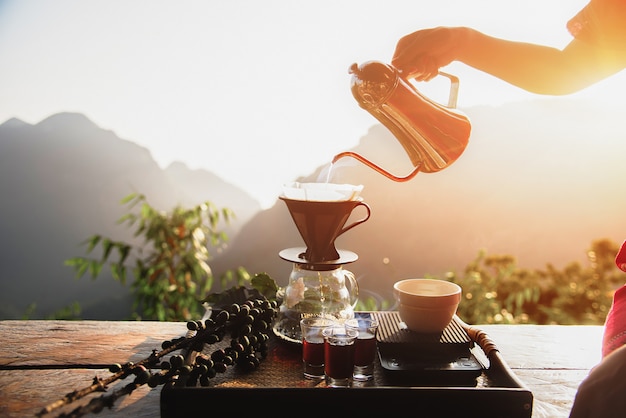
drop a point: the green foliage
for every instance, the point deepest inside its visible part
(70, 312)
(30, 311)
(171, 271)
(260, 285)
(370, 303)
(497, 291)
(172, 277)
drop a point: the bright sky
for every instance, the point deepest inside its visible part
(255, 91)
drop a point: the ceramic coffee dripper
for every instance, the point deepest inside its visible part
(320, 223)
(318, 283)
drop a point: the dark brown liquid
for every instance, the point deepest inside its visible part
(313, 353)
(339, 360)
(364, 351)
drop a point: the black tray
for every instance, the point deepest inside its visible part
(278, 386)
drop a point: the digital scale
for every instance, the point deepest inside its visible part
(426, 359)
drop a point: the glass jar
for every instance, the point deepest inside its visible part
(329, 291)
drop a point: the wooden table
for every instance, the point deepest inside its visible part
(43, 360)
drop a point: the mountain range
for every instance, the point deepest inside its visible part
(62, 181)
(539, 180)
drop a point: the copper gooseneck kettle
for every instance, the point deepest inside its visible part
(433, 135)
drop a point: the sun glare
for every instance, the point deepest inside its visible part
(193, 81)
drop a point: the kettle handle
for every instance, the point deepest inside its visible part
(454, 88)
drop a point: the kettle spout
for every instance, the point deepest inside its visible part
(375, 167)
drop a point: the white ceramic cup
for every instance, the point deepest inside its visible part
(427, 305)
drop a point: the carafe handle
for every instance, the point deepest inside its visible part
(352, 286)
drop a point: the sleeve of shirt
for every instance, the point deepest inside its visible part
(602, 23)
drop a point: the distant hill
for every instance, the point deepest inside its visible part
(539, 180)
(61, 181)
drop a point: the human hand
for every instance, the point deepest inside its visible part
(421, 54)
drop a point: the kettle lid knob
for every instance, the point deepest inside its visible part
(372, 82)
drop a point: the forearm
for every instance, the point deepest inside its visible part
(536, 68)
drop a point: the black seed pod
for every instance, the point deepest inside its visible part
(177, 361)
(220, 367)
(154, 380)
(114, 368)
(218, 355)
(143, 377)
(222, 318)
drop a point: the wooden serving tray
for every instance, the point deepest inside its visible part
(278, 386)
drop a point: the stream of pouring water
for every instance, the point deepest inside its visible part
(327, 173)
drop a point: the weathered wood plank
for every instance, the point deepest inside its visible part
(66, 344)
(23, 393)
(102, 342)
(82, 342)
(548, 346)
(550, 360)
(553, 390)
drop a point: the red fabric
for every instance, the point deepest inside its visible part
(615, 325)
(620, 258)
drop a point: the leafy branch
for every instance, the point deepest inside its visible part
(171, 271)
(497, 290)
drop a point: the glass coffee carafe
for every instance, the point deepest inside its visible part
(312, 291)
(319, 285)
